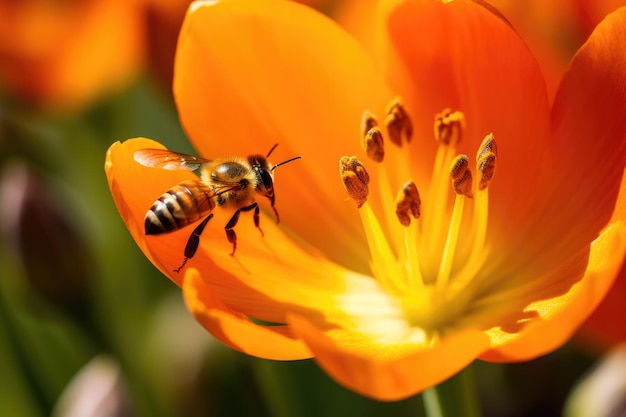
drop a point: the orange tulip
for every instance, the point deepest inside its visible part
(499, 267)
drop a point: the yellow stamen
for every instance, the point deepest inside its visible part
(486, 158)
(413, 270)
(451, 243)
(408, 205)
(443, 250)
(462, 184)
(448, 128)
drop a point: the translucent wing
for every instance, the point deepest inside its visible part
(164, 159)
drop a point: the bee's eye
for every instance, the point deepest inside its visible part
(268, 182)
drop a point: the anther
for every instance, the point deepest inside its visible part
(487, 145)
(461, 176)
(368, 122)
(486, 160)
(398, 123)
(355, 179)
(449, 127)
(374, 144)
(486, 166)
(408, 203)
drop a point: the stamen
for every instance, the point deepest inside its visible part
(442, 252)
(461, 176)
(355, 178)
(408, 203)
(374, 144)
(462, 184)
(398, 123)
(384, 265)
(485, 163)
(449, 127)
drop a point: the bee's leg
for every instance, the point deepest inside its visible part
(230, 226)
(276, 214)
(271, 198)
(193, 242)
(257, 219)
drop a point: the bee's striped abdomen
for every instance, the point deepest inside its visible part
(179, 206)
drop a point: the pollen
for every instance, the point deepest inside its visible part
(461, 175)
(374, 145)
(408, 203)
(449, 126)
(486, 161)
(355, 179)
(398, 123)
(427, 250)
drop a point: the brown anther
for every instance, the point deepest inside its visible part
(486, 166)
(368, 122)
(449, 127)
(374, 144)
(487, 145)
(398, 123)
(408, 203)
(461, 176)
(355, 179)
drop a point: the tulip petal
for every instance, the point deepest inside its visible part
(267, 277)
(250, 74)
(235, 329)
(584, 176)
(589, 138)
(134, 189)
(392, 372)
(551, 322)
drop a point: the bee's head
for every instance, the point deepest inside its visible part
(264, 176)
(265, 173)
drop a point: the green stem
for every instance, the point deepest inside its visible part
(455, 397)
(432, 403)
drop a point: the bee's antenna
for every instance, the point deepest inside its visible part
(271, 150)
(284, 162)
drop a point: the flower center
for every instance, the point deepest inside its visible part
(428, 252)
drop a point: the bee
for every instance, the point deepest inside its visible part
(227, 182)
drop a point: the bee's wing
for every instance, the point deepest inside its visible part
(164, 159)
(202, 193)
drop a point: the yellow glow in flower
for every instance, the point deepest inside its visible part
(461, 249)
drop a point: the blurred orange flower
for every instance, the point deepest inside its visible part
(62, 54)
(502, 271)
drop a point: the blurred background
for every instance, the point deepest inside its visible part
(88, 327)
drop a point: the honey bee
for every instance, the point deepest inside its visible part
(227, 182)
